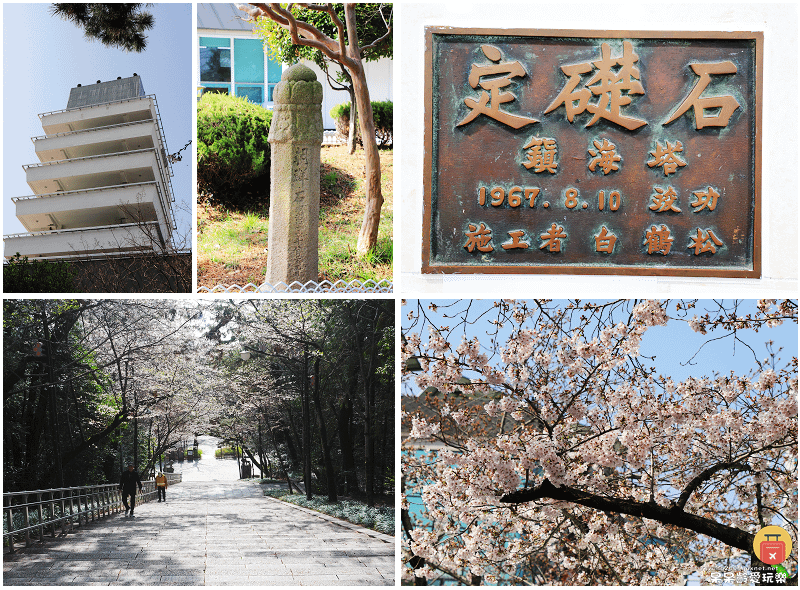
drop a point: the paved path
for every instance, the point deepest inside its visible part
(210, 533)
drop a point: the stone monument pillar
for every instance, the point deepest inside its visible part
(295, 138)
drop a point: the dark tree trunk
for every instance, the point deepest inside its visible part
(330, 474)
(278, 453)
(345, 421)
(369, 441)
(291, 435)
(306, 430)
(672, 516)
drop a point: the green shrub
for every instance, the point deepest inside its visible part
(226, 452)
(232, 148)
(382, 113)
(21, 275)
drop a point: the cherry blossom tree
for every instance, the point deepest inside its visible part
(318, 383)
(78, 375)
(563, 455)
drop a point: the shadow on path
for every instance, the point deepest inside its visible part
(210, 533)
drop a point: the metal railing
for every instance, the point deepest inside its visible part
(354, 286)
(165, 179)
(84, 256)
(98, 104)
(78, 229)
(83, 190)
(95, 157)
(160, 132)
(31, 515)
(77, 131)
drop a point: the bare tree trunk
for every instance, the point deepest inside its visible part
(351, 135)
(345, 419)
(369, 439)
(51, 389)
(368, 236)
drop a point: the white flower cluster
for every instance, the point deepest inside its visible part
(650, 313)
(607, 425)
(421, 428)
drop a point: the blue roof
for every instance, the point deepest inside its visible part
(224, 17)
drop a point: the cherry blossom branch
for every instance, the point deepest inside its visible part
(759, 506)
(671, 516)
(705, 475)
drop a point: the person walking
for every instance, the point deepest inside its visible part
(127, 484)
(161, 486)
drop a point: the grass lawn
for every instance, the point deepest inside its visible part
(232, 245)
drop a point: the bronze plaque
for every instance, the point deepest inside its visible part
(592, 152)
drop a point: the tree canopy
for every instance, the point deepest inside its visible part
(120, 25)
(92, 385)
(302, 379)
(371, 20)
(548, 449)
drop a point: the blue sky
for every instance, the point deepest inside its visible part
(44, 57)
(673, 345)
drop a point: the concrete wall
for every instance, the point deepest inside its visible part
(779, 144)
(89, 94)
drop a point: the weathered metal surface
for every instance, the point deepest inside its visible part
(587, 152)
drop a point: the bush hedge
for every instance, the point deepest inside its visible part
(232, 147)
(382, 113)
(21, 275)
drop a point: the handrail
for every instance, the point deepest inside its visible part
(169, 187)
(65, 133)
(165, 178)
(78, 229)
(28, 515)
(83, 257)
(82, 190)
(168, 210)
(165, 150)
(54, 162)
(98, 104)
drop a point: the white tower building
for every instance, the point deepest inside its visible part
(102, 185)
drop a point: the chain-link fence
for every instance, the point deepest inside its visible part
(354, 286)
